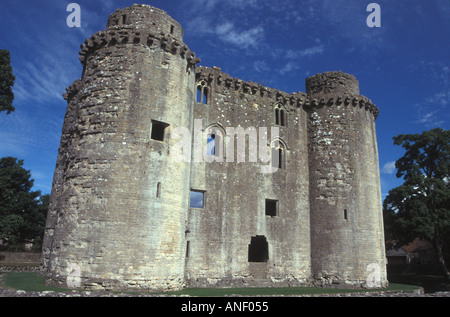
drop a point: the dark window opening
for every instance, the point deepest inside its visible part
(202, 95)
(271, 207)
(280, 117)
(158, 190)
(124, 19)
(187, 248)
(172, 28)
(345, 214)
(258, 249)
(197, 199)
(158, 130)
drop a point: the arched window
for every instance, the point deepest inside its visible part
(278, 154)
(280, 116)
(215, 137)
(202, 92)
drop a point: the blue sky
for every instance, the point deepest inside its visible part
(402, 66)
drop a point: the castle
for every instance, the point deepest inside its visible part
(122, 213)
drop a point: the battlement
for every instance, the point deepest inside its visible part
(140, 25)
(332, 83)
(214, 76)
(336, 88)
(145, 17)
(135, 36)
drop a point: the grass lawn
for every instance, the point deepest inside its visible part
(31, 281)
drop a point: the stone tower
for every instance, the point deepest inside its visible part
(121, 215)
(118, 206)
(345, 199)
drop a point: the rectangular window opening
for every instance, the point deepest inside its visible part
(271, 207)
(345, 214)
(158, 130)
(197, 199)
(172, 28)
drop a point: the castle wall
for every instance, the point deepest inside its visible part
(234, 212)
(134, 147)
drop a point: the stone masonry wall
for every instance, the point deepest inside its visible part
(120, 215)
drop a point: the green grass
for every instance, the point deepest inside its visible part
(203, 292)
(27, 281)
(31, 281)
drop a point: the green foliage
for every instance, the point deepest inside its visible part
(6, 82)
(421, 206)
(22, 211)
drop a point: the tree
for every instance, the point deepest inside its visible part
(421, 206)
(22, 211)
(6, 83)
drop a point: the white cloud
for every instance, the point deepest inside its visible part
(227, 32)
(305, 52)
(291, 66)
(261, 66)
(388, 168)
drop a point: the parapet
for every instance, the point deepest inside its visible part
(220, 80)
(145, 17)
(336, 88)
(141, 25)
(332, 83)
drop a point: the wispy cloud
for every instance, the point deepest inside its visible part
(388, 168)
(291, 54)
(228, 33)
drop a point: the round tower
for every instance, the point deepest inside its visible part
(347, 241)
(118, 204)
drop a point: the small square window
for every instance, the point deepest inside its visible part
(158, 130)
(271, 207)
(197, 199)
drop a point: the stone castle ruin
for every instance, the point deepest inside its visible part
(121, 214)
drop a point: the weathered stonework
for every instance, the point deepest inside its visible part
(119, 215)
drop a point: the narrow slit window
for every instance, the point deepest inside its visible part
(211, 145)
(172, 28)
(345, 214)
(271, 207)
(282, 118)
(124, 19)
(188, 244)
(202, 94)
(158, 190)
(197, 199)
(158, 130)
